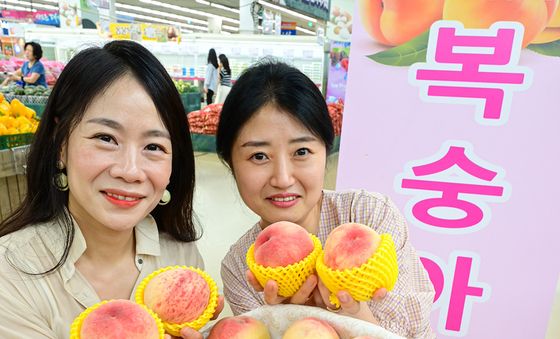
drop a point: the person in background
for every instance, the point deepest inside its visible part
(225, 79)
(110, 177)
(211, 78)
(32, 72)
(275, 134)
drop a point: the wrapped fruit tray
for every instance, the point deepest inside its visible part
(279, 317)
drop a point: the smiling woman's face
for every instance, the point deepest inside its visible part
(279, 167)
(118, 159)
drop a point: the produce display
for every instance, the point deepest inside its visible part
(16, 118)
(286, 253)
(205, 121)
(185, 87)
(335, 111)
(13, 89)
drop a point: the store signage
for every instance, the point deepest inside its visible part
(464, 138)
(338, 71)
(120, 31)
(288, 28)
(51, 18)
(315, 8)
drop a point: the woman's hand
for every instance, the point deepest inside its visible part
(189, 333)
(271, 297)
(349, 306)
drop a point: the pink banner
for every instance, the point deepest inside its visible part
(459, 126)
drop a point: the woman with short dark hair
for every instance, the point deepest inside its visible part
(275, 134)
(32, 72)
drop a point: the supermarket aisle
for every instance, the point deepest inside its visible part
(221, 211)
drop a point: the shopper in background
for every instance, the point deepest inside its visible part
(225, 79)
(275, 134)
(32, 72)
(211, 78)
(110, 178)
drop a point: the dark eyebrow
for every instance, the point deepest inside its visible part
(266, 143)
(115, 125)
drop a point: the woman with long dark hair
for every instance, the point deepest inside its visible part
(225, 79)
(110, 178)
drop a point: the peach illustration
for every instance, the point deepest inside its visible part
(177, 295)
(350, 245)
(281, 244)
(533, 14)
(552, 30)
(310, 328)
(393, 22)
(240, 327)
(119, 319)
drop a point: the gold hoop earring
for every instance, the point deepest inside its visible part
(165, 198)
(61, 181)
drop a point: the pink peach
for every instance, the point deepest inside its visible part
(119, 319)
(310, 328)
(281, 244)
(177, 296)
(240, 327)
(350, 245)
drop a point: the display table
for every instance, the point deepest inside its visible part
(13, 184)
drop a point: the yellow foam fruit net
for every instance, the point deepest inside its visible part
(196, 324)
(289, 278)
(380, 270)
(76, 326)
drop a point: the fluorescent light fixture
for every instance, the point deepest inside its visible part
(305, 30)
(188, 10)
(230, 28)
(18, 8)
(164, 21)
(27, 3)
(225, 8)
(160, 13)
(204, 2)
(285, 10)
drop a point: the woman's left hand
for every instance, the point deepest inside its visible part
(349, 306)
(189, 333)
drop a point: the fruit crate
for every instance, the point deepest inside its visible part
(15, 140)
(191, 101)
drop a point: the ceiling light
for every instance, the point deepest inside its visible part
(225, 8)
(160, 13)
(285, 10)
(204, 2)
(18, 8)
(304, 30)
(230, 28)
(187, 10)
(26, 3)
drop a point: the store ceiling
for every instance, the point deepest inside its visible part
(193, 15)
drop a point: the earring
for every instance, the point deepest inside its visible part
(60, 179)
(165, 198)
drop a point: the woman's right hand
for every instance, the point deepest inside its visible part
(270, 290)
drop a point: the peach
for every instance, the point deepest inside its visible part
(365, 337)
(310, 328)
(533, 14)
(177, 296)
(552, 30)
(350, 245)
(119, 319)
(240, 327)
(281, 244)
(393, 22)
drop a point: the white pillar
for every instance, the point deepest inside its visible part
(246, 17)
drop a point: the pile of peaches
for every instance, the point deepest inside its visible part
(356, 259)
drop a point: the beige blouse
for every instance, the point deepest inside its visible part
(44, 306)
